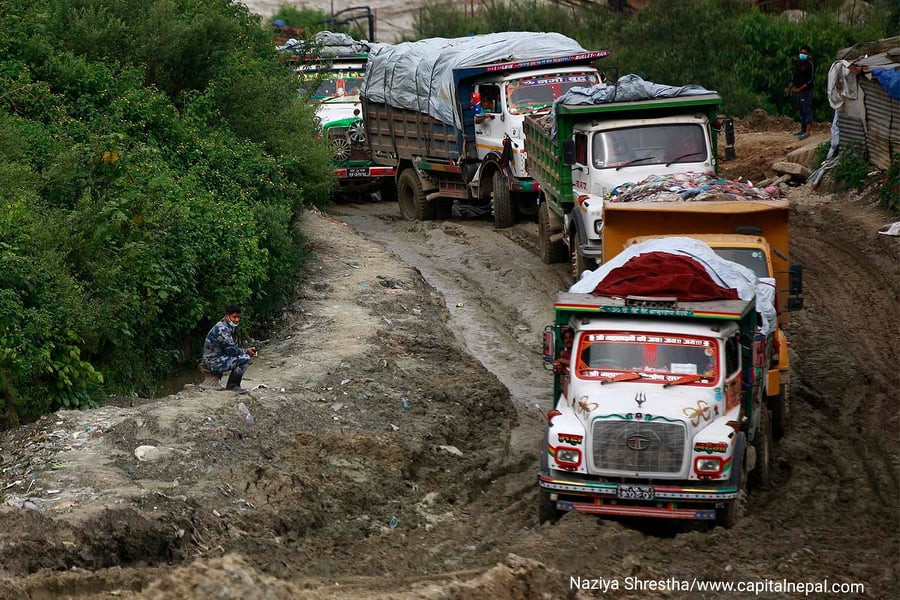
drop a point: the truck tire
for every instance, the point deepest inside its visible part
(388, 190)
(580, 262)
(413, 205)
(729, 515)
(551, 252)
(547, 511)
(760, 477)
(779, 406)
(504, 212)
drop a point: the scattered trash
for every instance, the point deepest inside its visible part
(459, 305)
(451, 450)
(404, 403)
(148, 453)
(394, 522)
(344, 382)
(337, 406)
(394, 427)
(53, 491)
(893, 229)
(261, 386)
(245, 412)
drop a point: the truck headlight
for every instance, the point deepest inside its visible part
(598, 226)
(708, 465)
(568, 457)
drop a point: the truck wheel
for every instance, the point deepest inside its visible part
(760, 476)
(413, 205)
(580, 262)
(504, 214)
(729, 515)
(547, 511)
(779, 407)
(551, 252)
(388, 190)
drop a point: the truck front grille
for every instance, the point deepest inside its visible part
(638, 446)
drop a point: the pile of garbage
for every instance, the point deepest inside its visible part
(691, 187)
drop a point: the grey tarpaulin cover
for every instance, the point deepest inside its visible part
(328, 44)
(419, 75)
(627, 89)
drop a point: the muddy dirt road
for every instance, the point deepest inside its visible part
(393, 443)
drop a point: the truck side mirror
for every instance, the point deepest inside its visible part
(568, 152)
(549, 345)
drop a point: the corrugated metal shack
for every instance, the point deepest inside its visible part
(864, 90)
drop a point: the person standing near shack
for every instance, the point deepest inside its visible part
(221, 353)
(802, 87)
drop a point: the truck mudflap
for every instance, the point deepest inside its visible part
(365, 172)
(693, 502)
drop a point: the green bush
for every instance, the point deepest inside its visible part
(889, 192)
(154, 157)
(852, 168)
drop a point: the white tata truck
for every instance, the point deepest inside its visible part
(661, 409)
(448, 115)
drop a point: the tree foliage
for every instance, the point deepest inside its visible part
(726, 45)
(154, 155)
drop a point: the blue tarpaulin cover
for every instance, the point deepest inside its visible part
(889, 79)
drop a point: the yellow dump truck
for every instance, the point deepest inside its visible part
(753, 233)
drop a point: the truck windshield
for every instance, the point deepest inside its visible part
(528, 94)
(650, 145)
(752, 258)
(337, 86)
(658, 358)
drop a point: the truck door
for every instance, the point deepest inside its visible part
(489, 125)
(580, 170)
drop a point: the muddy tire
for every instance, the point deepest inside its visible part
(778, 405)
(729, 515)
(547, 511)
(504, 212)
(760, 475)
(413, 205)
(388, 190)
(551, 252)
(580, 262)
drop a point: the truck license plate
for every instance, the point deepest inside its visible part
(636, 492)
(358, 172)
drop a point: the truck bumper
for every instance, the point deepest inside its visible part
(351, 174)
(697, 501)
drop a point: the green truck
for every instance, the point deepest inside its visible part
(597, 147)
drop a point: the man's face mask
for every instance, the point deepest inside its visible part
(803, 56)
(232, 324)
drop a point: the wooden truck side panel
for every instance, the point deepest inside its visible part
(399, 134)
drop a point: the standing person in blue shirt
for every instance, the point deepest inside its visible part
(802, 86)
(221, 353)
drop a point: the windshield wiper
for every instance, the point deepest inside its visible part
(630, 376)
(685, 379)
(675, 160)
(635, 160)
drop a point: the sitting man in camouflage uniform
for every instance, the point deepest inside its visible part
(221, 354)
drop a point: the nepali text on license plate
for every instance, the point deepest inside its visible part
(636, 492)
(358, 172)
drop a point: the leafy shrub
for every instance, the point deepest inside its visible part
(889, 192)
(154, 156)
(852, 168)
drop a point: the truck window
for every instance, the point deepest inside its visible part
(732, 356)
(528, 94)
(752, 258)
(650, 145)
(581, 148)
(657, 357)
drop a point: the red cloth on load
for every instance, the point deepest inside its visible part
(663, 275)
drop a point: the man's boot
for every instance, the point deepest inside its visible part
(234, 381)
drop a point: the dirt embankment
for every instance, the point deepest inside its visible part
(384, 461)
